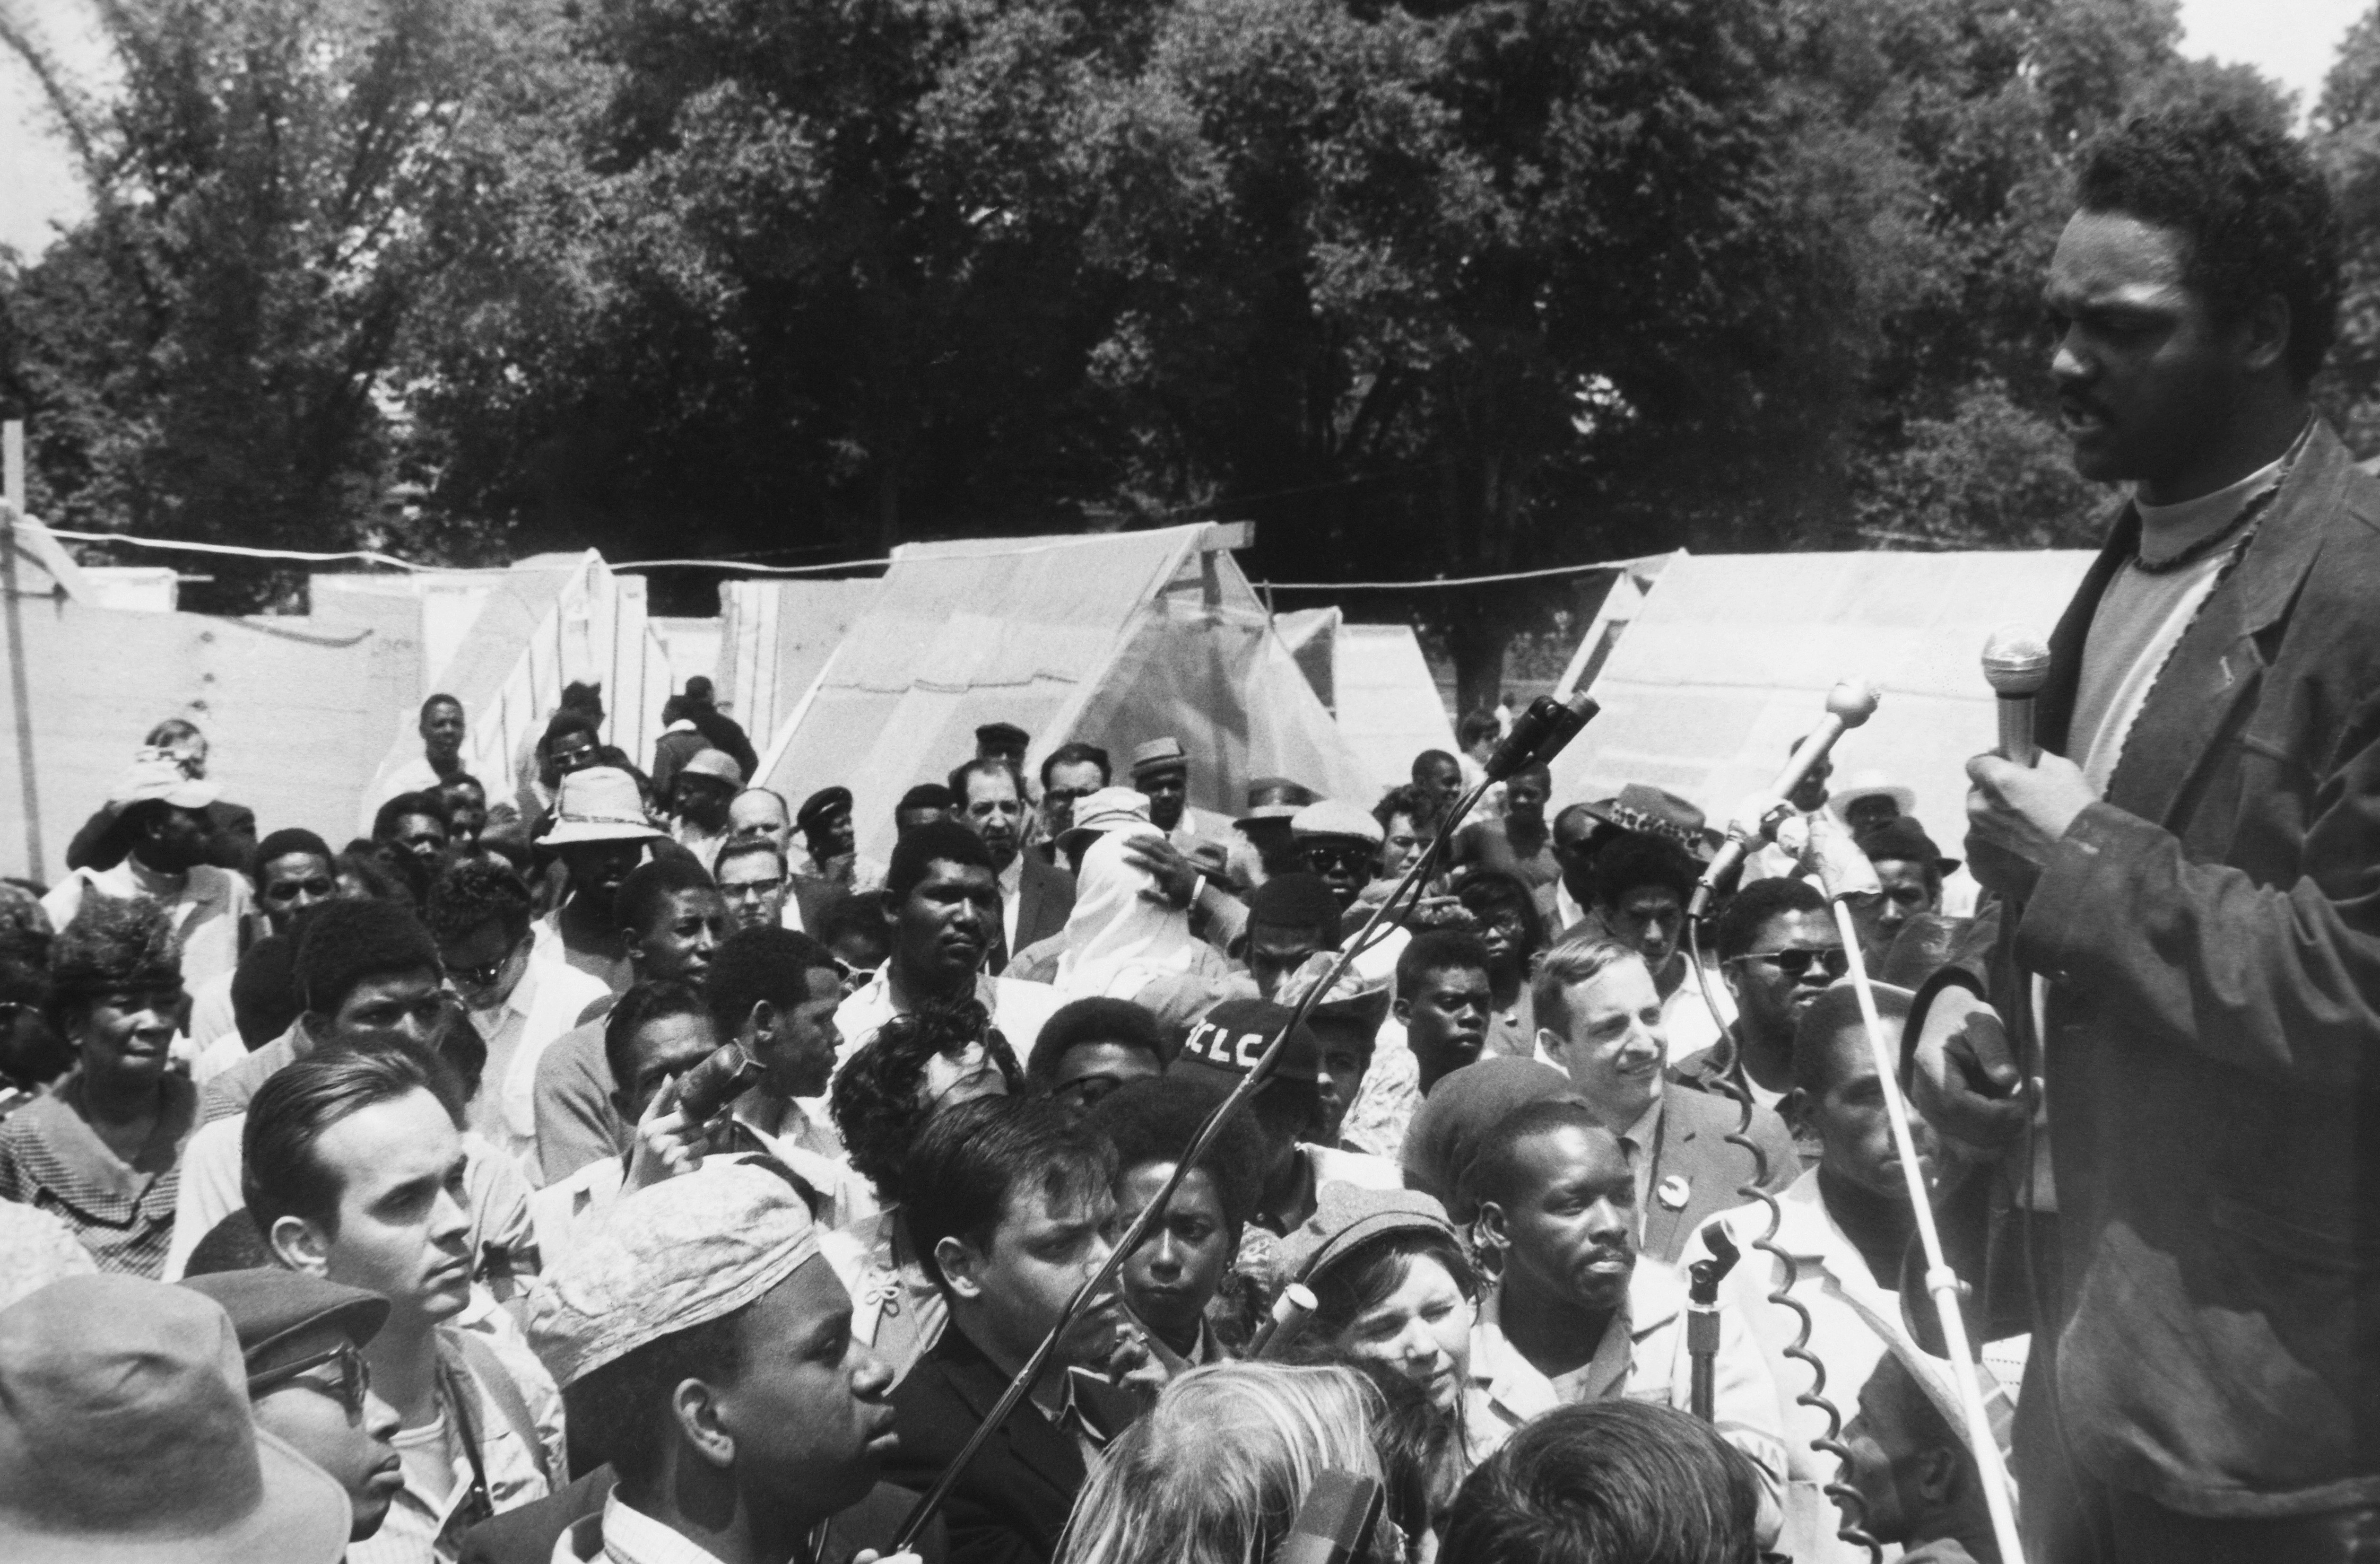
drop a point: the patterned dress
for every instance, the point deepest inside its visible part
(52, 1159)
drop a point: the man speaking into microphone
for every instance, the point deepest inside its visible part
(2181, 960)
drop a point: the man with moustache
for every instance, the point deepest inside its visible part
(1035, 897)
(2180, 960)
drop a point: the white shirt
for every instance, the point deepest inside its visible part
(1854, 1321)
(1642, 1357)
(545, 1003)
(630, 1536)
(204, 905)
(415, 1529)
(1012, 895)
(1018, 1008)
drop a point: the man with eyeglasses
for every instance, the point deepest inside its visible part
(1338, 843)
(302, 1340)
(1778, 950)
(1599, 1020)
(1069, 773)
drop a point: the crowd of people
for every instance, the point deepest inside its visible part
(608, 1162)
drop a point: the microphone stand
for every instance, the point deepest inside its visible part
(1941, 1281)
(1541, 733)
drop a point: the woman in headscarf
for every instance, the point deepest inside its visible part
(102, 1152)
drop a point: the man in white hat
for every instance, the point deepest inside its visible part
(705, 1344)
(159, 820)
(600, 832)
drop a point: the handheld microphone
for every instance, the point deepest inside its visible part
(2016, 665)
(1335, 1523)
(720, 1077)
(1540, 733)
(1849, 705)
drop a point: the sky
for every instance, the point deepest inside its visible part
(2292, 41)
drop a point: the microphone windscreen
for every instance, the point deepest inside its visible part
(2016, 663)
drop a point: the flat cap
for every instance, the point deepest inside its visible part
(270, 1304)
(1347, 1216)
(687, 1250)
(1001, 736)
(1330, 817)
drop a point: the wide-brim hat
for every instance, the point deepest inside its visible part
(127, 1438)
(1904, 840)
(599, 804)
(717, 764)
(155, 778)
(1159, 754)
(1274, 797)
(1099, 813)
(1870, 785)
(1652, 812)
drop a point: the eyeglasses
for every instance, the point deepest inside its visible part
(752, 890)
(1354, 858)
(1795, 964)
(349, 1389)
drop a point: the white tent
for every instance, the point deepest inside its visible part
(775, 636)
(1113, 639)
(504, 643)
(1388, 703)
(1728, 660)
(296, 710)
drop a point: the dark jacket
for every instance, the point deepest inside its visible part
(527, 1535)
(1045, 899)
(1694, 1147)
(725, 733)
(1012, 1502)
(2211, 936)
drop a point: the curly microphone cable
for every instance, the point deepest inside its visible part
(1848, 1501)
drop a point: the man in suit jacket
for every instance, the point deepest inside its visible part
(1035, 898)
(1599, 1018)
(1007, 1200)
(2181, 939)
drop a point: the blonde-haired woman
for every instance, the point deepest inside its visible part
(1216, 1471)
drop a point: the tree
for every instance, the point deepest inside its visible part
(210, 355)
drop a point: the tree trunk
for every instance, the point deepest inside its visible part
(1477, 638)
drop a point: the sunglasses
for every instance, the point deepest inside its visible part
(1796, 964)
(349, 1389)
(1356, 858)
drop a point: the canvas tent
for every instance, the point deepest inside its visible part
(504, 643)
(1389, 705)
(1114, 639)
(1728, 660)
(295, 711)
(775, 636)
